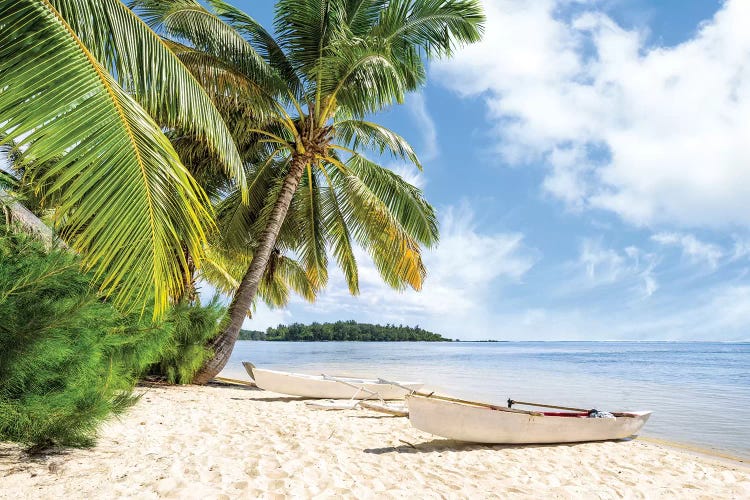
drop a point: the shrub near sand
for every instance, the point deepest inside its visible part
(68, 359)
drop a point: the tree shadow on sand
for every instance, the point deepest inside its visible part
(15, 459)
(449, 445)
(281, 399)
(228, 385)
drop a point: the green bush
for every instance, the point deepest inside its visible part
(68, 358)
(59, 375)
(183, 352)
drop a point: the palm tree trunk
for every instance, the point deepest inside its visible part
(223, 344)
(29, 222)
(189, 290)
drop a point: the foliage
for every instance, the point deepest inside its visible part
(59, 345)
(69, 359)
(184, 351)
(91, 86)
(343, 331)
(334, 63)
(224, 268)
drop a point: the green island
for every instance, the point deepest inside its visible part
(343, 331)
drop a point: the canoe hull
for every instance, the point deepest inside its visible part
(477, 424)
(317, 387)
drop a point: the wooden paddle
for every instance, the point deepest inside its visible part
(525, 403)
(540, 405)
(477, 403)
(456, 400)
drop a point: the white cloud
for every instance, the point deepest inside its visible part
(602, 266)
(692, 248)
(264, 316)
(721, 312)
(410, 174)
(741, 247)
(467, 273)
(417, 106)
(717, 313)
(654, 134)
(650, 286)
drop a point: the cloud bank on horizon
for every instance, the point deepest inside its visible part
(645, 149)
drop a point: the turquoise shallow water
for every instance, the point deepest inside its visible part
(699, 392)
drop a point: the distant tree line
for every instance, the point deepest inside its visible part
(343, 331)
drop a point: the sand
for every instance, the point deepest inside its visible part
(230, 442)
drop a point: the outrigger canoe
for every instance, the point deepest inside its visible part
(485, 423)
(327, 387)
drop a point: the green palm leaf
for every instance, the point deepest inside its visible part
(311, 236)
(387, 217)
(304, 28)
(145, 67)
(224, 268)
(340, 239)
(129, 202)
(363, 134)
(436, 26)
(227, 87)
(360, 76)
(404, 201)
(189, 20)
(261, 40)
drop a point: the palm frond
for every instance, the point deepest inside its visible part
(236, 220)
(296, 278)
(261, 40)
(360, 134)
(339, 236)
(403, 200)
(225, 84)
(435, 26)
(360, 76)
(362, 15)
(145, 67)
(128, 201)
(224, 269)
(189, 20)
(304, 28)
(388, 232)
(312, 240)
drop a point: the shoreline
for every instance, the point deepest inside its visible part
(723, 456)
(718, 454)
(225, 441)
(632, 376)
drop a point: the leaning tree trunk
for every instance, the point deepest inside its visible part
(30, 223)
(223, 344)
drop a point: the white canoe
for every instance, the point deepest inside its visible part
(479, 423)
(324, 387)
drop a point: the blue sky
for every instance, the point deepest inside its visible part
(590, 163)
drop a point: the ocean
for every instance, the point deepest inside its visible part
(699, 391)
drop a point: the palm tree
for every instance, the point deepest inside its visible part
(90, 85)
(335, 62)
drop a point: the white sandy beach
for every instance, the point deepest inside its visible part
(230, 442)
